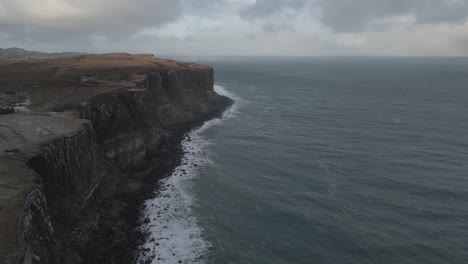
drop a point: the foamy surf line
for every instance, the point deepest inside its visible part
(174, 233)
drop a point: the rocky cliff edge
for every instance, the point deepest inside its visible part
(75, 132)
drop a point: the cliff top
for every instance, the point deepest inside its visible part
(22, 131)
(63, 82)
(55, 166)
(20, 137)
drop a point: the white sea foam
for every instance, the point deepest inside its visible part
(174, 231)
(23, 107)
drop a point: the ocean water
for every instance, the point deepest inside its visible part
(323, 160)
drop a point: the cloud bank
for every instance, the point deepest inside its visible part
(239, 27)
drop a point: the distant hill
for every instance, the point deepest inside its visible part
(17, 53)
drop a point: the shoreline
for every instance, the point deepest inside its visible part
(175, 234)
(115, 234)
(89, 148)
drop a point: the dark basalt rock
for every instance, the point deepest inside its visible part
(94, 136)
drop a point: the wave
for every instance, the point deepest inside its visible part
(174, 233)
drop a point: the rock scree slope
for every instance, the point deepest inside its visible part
(83, 141)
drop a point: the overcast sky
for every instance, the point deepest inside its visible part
(238, 27)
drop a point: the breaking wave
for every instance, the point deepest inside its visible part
(174, 233)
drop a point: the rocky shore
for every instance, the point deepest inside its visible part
(84, 141)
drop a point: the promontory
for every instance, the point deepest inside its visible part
(83, 142)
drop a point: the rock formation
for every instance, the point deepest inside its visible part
(76, 132)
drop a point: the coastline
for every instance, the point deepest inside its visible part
(93, 136)
(175, 235)
(118, 237)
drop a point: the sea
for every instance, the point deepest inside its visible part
(322, 160)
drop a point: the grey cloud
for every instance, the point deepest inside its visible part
(191, 39)
(355, 15)
(204, 4)
(277, 27)
(250, 36)
(266, 8)
(433, 11)
(211, 26)
(85, 17)
(358, 15)
(211, 8)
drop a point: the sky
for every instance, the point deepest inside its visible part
(239, 27)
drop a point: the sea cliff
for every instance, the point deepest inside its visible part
(83, 141)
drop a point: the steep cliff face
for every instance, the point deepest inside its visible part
(29, 201)
(116, 113)
(71, 169)
(130, 124)
(18, 184)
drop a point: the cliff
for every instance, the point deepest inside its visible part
(83, 140)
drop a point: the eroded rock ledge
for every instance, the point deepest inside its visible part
(77, 133)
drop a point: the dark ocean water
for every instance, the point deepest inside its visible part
(326, 160)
